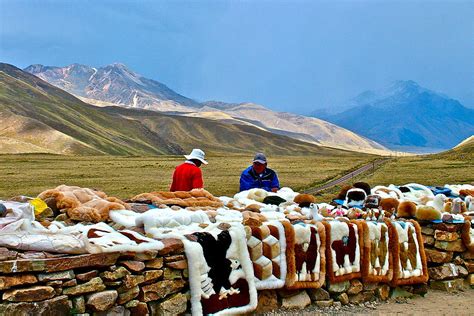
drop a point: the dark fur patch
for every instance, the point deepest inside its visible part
(364, 186)
(355, 196)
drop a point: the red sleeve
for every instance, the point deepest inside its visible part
(173, 182)
(197, 179)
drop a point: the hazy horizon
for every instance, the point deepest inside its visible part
(290, 56)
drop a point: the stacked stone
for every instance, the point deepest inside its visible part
(332, 296)
(450, 265)
(152, 283)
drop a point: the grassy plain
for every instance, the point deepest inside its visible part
(127, 176)
(436, 170)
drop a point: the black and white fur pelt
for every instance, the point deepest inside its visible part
(372, 201)
(220, 267)
(355, 197)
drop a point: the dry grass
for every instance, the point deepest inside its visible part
(429, 170)
(128, 176)
(436, 170)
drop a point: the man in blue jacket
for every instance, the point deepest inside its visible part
(259, 176)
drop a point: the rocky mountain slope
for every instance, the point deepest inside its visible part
(36, 116)
(115, 84)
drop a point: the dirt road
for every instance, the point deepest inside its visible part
(368, 167)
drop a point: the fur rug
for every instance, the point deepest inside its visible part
(267, 249)
(20, 230)
(343, 250)
(377, 265)
(305, 254)
(221, 276)
(196, 197)
(82, 204)
(409, 259)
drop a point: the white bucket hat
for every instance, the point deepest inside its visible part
(196, 154)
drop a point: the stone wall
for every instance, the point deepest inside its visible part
(35, 283)
(156, 283)
(450, 265)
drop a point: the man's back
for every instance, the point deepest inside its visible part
(186, 177)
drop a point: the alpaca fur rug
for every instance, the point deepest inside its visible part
(221, 277)
(267, 249)
(193, 198)
(467, 233)
(305, 254)
(82, 204)
(343, 250)
(409, 259)
(377, 265)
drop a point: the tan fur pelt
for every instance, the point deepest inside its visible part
(448, 206)
(253, 208)
(399, 256)
(82, 204)
(427, 213)
(253, 218)
(466, 234)
(193, 198)
(291, 279)
(406, 209)
(304, 200)
(466, 192)
(198, 208)
(389, 204)
(379, 250)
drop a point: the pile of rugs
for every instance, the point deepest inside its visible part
(253, 241)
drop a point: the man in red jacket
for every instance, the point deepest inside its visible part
(188, 175)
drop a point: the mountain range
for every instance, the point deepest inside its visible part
(36, 116)
(406, 116)
(115, 84)
(403, 116)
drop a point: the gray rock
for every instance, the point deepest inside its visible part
(318, 294)
(299, 301)
(447, 271)
(101, 301)
(340, 287)
(114, 311)
(79, 304)
(174, 305)
(343, 298)
(55, 306)
(325, 304)
(61, 275)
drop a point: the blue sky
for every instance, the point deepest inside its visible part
(288, 55)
